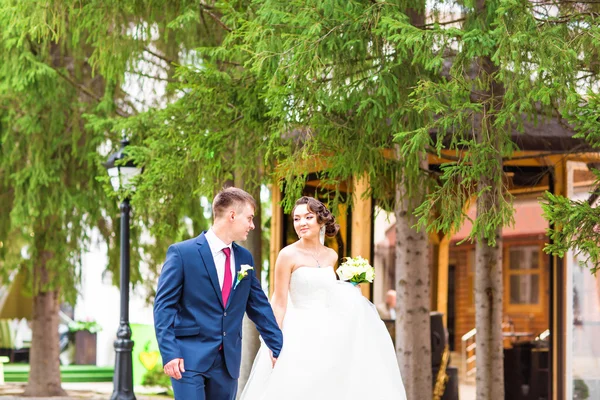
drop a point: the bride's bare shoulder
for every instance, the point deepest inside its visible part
(332, 253)
(288, 252)
(290, 249)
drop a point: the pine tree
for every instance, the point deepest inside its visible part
(295, 82)
(62, 79)
(508, 62)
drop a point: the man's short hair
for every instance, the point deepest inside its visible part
(231, 197)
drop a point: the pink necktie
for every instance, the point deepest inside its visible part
(228, 280)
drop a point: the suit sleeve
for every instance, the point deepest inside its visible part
(168, 294)
(260, 312)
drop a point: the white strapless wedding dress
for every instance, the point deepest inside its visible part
(335, 347)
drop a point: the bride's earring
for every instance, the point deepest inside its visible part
(322, 235)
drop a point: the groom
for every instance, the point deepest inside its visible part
(206, 285)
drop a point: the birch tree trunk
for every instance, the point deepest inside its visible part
(413, 341)
(413, 332)
(488, 253)
(488, 317)
(489, 296)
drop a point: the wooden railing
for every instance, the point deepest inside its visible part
(469, 346)
(468, 354)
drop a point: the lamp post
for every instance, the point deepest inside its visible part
(120, 175)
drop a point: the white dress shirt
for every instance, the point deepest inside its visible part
(216, 247)
(392, 313)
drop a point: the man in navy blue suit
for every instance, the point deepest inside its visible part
(206, 285)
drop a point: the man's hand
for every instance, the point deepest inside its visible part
(273, 359)
(174, 368)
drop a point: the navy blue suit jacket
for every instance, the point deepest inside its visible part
(190, 319)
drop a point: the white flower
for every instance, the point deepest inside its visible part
(244, 268)
(356, 270)
(370, 275)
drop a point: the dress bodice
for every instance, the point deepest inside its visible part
(310, 287)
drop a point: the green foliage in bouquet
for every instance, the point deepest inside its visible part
(356, 270)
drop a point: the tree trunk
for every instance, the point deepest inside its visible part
(413, 332)
(488, 265)
(488, 295)
(413, 341)
(251, 342)
(488, 317)
(44, 374)
(488, 282)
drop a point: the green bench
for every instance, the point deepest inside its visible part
(3, 360)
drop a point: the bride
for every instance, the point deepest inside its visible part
(335, 346)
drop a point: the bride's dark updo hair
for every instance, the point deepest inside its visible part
(324, 216)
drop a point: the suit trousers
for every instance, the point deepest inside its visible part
(213, 384)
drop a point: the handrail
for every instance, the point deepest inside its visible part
(543, 335)
(469, 334)
(466, 349)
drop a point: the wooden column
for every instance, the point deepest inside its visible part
(443, 256)
(440, 269)
(434, 241)
(362, 234)
(276, 243)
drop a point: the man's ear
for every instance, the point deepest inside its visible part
(231, 215)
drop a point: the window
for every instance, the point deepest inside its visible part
(524, 275)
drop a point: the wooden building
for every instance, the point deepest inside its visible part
(536, 296)
(526, 274)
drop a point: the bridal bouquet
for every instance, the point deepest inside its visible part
(356, 270)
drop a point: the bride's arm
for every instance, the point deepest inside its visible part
(283, 273)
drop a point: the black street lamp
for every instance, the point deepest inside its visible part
(120, 175)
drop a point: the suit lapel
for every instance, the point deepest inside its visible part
(238, 260)
(238, 266)
(209, 264)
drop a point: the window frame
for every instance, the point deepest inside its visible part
(539, 271)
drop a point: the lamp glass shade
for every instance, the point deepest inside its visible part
(120, 176)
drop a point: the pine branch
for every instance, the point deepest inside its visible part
(236, 119)
(158, 78)
(454, 21)
(559, 2)
(567, 18)
(153, 62)
(126, 100)
(206, 9)
(206, 6)
(87, 91)
(204, 23)
(235, 64)
(159, 56)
